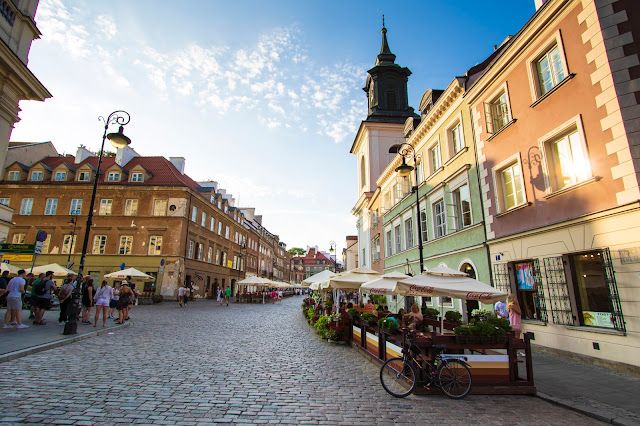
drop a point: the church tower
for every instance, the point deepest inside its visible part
(386, 87)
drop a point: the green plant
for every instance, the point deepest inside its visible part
(322, 325)
(387, 323)
(462, 330)
(333, 335)
(378, 299)
(501, 323)
(369, 317)
(431, 312)
(481, 313)
(452, 316)
(352, 312)
(311, 312)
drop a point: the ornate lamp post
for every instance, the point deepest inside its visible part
(332, 249)
(74, 221)
(118, 140)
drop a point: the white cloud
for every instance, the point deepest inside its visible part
(107, 26)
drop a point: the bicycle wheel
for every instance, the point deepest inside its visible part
(454, 378)
(397, 377)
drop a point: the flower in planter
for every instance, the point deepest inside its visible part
(453, 316)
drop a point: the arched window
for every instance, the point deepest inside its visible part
(363, 172)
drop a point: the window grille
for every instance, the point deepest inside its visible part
(501, 277)
(610, 278)
(541, 305)
(559, 300)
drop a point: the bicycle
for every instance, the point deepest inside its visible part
(398, 375)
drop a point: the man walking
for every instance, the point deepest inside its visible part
(43, 292)
(227, 294)
(15, 289)
(4, 281)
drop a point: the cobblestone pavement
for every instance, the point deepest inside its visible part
(209, 364)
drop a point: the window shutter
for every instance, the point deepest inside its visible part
(488, 117)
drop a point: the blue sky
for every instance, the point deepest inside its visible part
(262, 96)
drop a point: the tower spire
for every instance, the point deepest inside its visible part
(385, 57)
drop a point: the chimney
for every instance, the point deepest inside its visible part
(82, 154)
(539, 3)
(178, 162)
(124, 155)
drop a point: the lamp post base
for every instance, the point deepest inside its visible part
(71, 326)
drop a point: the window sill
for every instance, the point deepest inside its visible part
(556, 87)
(533, 322)
(521, 206)
(456, 155)
(502, 129)
(598, 330)
(438, 170)
(572, 187)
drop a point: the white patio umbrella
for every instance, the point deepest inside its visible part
(130, 272)
(58, 270)
(8, 267)
(320, 276)
(384, 285)
(350, 280)
(257, 281)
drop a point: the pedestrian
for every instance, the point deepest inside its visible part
(515, 314)
(227, 295)
(103, 296)
(126, 296)
(113, 303)
(500, 309)
(220, 296)
(274, 295)
(34, 298)
(180, 296)
(64, 296)
(15, 290)
(88, 301)
(187, 292)
(43, 292)
(280, 296)
(4, 281)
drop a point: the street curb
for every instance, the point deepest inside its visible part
(46, 346)
(607, 417)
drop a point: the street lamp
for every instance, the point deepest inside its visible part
(404, 170)
(332, 248)
(74, 221)
(118, 140)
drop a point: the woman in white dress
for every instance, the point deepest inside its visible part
(220, 296)
(180, 295)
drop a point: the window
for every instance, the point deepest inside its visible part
(219, 228)
(69, 244)
(83, 176)
(5, 201)
(462, 206)
(36, 175)
(159, 207)
(420, 172)
(423, 224)
(224, 259)
(211, 225)
(136, 177)
(440, 219)
(497, 114)
(60, 176)
(456, 141)
(434, 158)
(363, 172)
(566, 160)
(126, 241)
(131, 207)
(408, 233)
(99, 244)
(19, 238)
(550, 69)
(512, 185)
(191, 248)
(113, 177)
(528, 289)
(75, 208)
(26, 206)
(398, 239)
(226, 232)
(46, 245)
(51, 206)
(403, 187)
(13, 176)
(218, 258)
(203, 219)
(194, 213)
(210, 254)
(200, 251)
(105, 207)
(155, 245)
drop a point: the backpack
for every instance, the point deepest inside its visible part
(41, 288)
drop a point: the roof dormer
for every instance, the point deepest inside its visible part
(139, 174)
(115, 173)
(62, 173)
(39, 172)
(16, 172)
(85, 173)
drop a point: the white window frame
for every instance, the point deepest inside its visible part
(51, 207)
(86, 175)
(434, 168)
(5, 201)
(424, 224)
(456, 122)
(535, 85)
(131, 207)
(58, 175)
(191, 248)
(126, 244)
(457, 207)
(137, 177)
(68, 244)
(160, 207)
(19, 238)
(75, 206)
(106, 207)
(408, 233)
(397, 234)
(203, 219)
(212, 224)
(13, 175)
(37, 176)
(436, 231)
(155, 245)
(209, 254)
(490, 101)
(99, 244)
(226, 232)
(556, 134)
(194, 213)
(498, 189)
(26, 206)
(113, 177)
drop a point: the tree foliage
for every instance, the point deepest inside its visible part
(297, 251)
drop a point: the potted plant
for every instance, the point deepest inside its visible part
(322, 325)
(369, 318)
(388, 325)
(431, 313)
(353, 313)
(481, 314)
(463, 333)
(453, 316)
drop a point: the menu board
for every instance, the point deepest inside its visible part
(598, 319)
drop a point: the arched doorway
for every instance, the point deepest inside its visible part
(468, 269)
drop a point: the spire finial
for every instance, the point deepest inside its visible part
(382, 21)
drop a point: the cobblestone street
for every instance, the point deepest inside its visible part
(239, 364)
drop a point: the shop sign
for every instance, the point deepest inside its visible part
(17, 258)
(598, 319)
(17, 248)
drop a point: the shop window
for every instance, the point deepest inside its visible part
(529, 291)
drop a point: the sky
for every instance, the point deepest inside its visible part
(264, 97)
